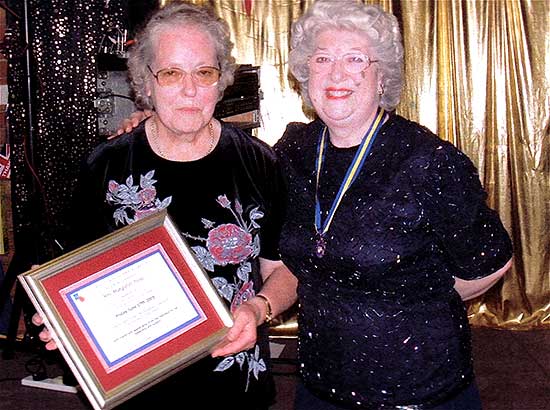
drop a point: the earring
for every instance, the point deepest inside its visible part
(380, 89)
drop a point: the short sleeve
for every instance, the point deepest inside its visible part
(471, 234)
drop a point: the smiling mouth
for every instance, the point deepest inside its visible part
(337, 93)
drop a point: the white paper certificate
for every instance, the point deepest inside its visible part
(133, 306)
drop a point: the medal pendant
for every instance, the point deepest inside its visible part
(320, 247)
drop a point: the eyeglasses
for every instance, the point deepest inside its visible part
(353, 63)
(204, 76)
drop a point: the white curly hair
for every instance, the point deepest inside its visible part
(379, 27)
(177, 14)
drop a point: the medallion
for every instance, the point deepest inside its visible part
(321, 228)
(321, 246)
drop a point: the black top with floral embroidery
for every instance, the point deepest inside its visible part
(380, 324)
(229, 206)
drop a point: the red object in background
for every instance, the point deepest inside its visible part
(247, 4)
(5, 164)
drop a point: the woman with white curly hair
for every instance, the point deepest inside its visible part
(387, 229)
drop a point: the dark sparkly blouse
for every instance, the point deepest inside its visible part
(380, 324)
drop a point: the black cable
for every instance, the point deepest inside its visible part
(123, 96)
(5, 7)
(102, 95)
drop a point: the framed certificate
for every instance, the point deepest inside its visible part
(129, 309)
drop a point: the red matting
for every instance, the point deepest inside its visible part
(163, 352)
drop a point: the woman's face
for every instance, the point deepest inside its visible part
(185, 107)
(343, 99)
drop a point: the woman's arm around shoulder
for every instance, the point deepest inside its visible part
(128, 124)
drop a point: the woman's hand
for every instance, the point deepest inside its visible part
(132, 122)
(469, 289)
(242, 335)
(45, 335)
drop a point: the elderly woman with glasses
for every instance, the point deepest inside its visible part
(387, 229)
(223, 189)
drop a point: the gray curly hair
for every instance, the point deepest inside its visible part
(142, 53)
(381, 29)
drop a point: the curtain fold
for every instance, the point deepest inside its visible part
(478, 75)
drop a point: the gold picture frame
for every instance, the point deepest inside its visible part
(129, 309)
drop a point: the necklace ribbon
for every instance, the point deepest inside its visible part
(352, 173)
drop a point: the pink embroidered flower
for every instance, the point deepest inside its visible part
(147, 195)
(223, 201)
(113, 186)
(229, 243)
(245, 293)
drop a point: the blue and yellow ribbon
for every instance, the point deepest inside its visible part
(352, 173)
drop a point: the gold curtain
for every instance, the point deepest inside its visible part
(477, 74)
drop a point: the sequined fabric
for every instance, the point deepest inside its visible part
(380, 324)
(64, 38)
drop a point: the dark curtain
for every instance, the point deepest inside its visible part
(52, 124)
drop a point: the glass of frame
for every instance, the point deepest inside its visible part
(129, 309)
